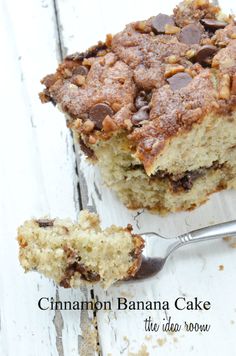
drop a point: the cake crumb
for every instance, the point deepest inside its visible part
(161, 342)
(221, 267)
(142, 351)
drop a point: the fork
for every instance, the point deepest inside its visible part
(159, 248)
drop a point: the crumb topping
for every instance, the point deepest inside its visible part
(153, 80)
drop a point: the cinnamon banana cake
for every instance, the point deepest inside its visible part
(154, 106)
(74, 254)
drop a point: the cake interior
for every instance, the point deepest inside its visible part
(193, 165)
(72, 254)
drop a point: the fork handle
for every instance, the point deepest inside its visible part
(210, 232)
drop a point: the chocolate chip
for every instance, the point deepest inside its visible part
(179, 80)
(87, 274)
(190, 34)
(141, 100)
(141, 115)
(213, 25)
(159, 23)
(91, 52)
(87, 150)
(45, 222)
(98, 113)
(81, 70)
(205, 54)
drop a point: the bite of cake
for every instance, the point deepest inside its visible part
(77, 253)
(154, 107)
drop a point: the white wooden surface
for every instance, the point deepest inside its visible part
(38, 177)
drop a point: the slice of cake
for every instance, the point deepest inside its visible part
(73, 254)
(154, 107)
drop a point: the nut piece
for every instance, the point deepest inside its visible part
(200, 3)
(171, 70)
(22, 241)
(88, 126)
(224, 91)
(108, 40)
(108, 124)
(141, 26)
(190, 53)
(171, 30)
(172, 59)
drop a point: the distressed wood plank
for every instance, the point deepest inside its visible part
(193, 272)
(38, 177)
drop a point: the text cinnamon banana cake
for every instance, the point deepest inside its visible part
(154, 107)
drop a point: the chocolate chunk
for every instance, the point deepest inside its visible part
(190, 34)
(45, 222)
(213, 25)
(87, 274)
(205, 54)
(159, 23)
(87, 150)
(179, 80)
(81, 70)
(141, 115)
(91, 52)
(98, 113)
(141, 100)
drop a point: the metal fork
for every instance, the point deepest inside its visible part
(159, 248)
